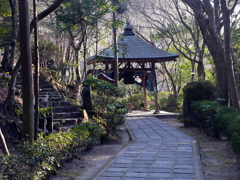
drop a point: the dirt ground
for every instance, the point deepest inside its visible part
(218, 159)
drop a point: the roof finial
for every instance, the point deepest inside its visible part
(128, 31)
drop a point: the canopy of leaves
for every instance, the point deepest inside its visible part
(5, 21)
(75, 12)
(5, 9)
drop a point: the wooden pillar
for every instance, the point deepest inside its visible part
(144, 90)
(157, 111)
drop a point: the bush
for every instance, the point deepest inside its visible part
(106, 100)
(163, 99)
(42, 157)
(92, 134)
(218, 120)
(136, 100)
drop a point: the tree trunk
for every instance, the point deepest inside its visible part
(13, 4)
(36, 77)
(5, 59)
(11, 93)
(208, 17)
(174, 87)
(228, 57)
(200, 70)
(10, 100)
(27, 78)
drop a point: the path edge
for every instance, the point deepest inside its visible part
(132, 138)
(197, 162)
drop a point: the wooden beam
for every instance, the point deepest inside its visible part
(157, 111)
(135, 69)
(144, 90)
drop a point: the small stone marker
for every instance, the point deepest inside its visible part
(85, 116)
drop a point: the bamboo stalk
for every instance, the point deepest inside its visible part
(3, 144)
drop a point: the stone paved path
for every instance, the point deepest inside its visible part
(158, 152)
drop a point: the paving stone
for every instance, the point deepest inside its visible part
(183, 171)
(115, 169)
(157, 178)
(146, 157)
(140, 161)
(134, 169)
(148, 165)
(161, 170)
(163, 162)
(136, 174)
(185, 176)
(120, 165)
(128, 178)
(160, 152)
(112, 174)
(160, 175)
(183, 167)
(109, 178)
(186, 162)
(124, 161)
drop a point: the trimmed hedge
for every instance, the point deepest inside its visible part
(41, 158)
(218, 121)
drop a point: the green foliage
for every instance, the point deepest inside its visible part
(136, 100)
(5, 79)
(93, 134)
(205, 112)
(197, 91)
(106, 100)
(5, 22)
(46, 112)
(163, 99)
(39, 159)
(73, 13)
(218, 121)
(5, 9)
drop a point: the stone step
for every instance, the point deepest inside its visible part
(47, 90)
(68, 121)
(57, 98)
(65, 115)
(60, 103)
(43, 86)
(66, 108)
(49, 94)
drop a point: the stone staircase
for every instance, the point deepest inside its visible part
(66, 114)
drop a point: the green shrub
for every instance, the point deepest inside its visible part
(92, 133)
(218, 120)
(39, 159)
(107, 101)
(204, 112)
(163, 99)
(136, 100)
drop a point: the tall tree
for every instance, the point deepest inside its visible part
(10, 100)
(171, 24)
(79, 18)
(13, 4)
(27, 77)
(214, 20)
